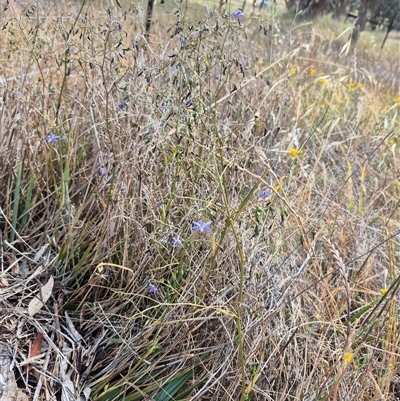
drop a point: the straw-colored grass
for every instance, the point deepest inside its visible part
(114, 149)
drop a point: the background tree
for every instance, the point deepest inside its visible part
(339, 8)
(360, 21)
(149, 16)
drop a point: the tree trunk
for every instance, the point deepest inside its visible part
(360, 21)
(340, 9)
(149, 16)
(317, 7)
(389, 28)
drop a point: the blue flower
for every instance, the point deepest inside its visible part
(195, 34)
(218, 77)
(81, 17)
(117, 26)
(188, 102)
(265, 194)
(152, 289)
(52, 138)
(102, 170)
(121, 106)
(201, 226)
(238, 14)
(176, 241)
(182, 40)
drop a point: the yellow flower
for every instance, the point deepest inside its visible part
(293, 153)
(261, 61)
(322, 106)
(322, 81)
(348, 357)
(292, 71)
(352, 85)
(359, 86)
(312, 71)
(397, 99)
(383, 291)
(150, 89)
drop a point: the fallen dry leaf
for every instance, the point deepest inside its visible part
(35, 350)
(37, 303)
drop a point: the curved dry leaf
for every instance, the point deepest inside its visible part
(37, 303)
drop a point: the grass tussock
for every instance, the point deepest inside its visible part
(210, 214)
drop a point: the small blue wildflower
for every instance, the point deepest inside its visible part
(176, 241)
(182, 40)
(52, 138)
(69, 71)
(188, 102)
(135, 44)
(238, 14)
(80, 17)
(201, 226)
(218, 77)
(117, 26)
(87, 133)
(195, 34)
(16, 94)
(265, 194)
(152, 289)
(102, 170)
(65, 36)
(121, 106)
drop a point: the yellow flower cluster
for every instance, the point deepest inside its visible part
(293, 153)
(348, 357)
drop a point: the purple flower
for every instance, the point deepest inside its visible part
(182, 40)
(121, 106)
(201, 226)
(188, 102)
(102, 170)
(176, 241)
(65, 36)
(238, 14)
(265, 194)
(117, 26)
(52, 138)
(218, 77)
(195, 34)
(152, 288)
(80, 17)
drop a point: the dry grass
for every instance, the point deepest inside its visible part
(292, 295)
